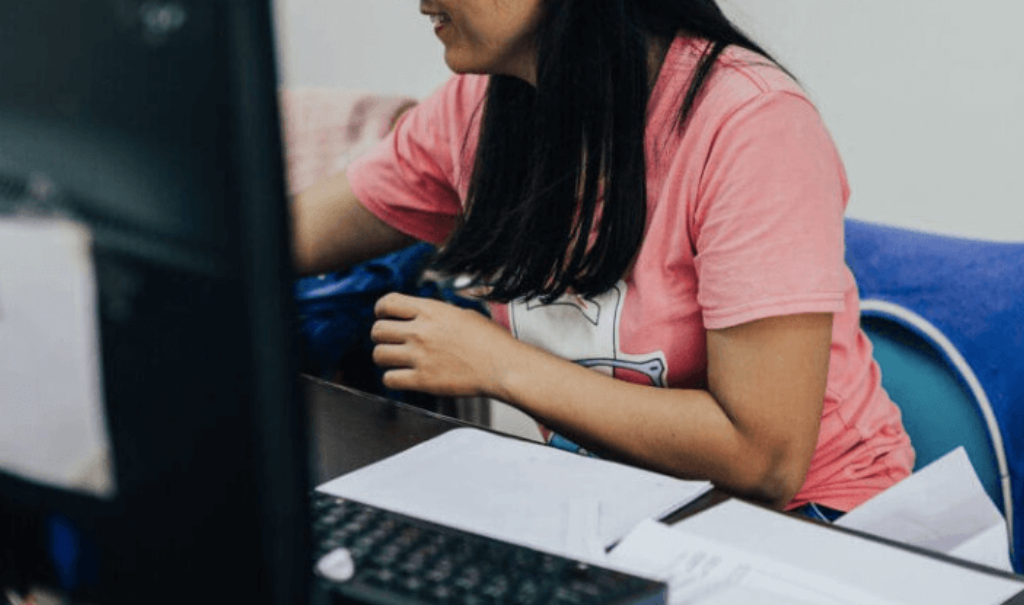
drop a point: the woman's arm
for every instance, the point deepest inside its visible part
(753, 431)
(332, 230)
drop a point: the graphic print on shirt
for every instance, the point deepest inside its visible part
(586, 331)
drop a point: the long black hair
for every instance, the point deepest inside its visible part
(558, 196)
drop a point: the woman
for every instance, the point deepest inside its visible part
(647, 194)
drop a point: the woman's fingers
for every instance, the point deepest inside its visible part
(389, 331)
(392, 356)
(430, 346)
(393, 330)
(402, 379)
(398, 306)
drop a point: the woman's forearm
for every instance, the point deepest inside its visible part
(331, 230)
(685, 433)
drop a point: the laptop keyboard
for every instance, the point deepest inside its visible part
(401, 560)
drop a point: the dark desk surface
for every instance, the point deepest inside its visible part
(352, 429)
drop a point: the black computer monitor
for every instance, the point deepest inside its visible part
(155, 124)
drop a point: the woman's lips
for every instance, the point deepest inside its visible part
(439, 21)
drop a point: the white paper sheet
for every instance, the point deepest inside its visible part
(54, 427)
(517, 491)
(941, 507)
(887, 572)
(705, 572)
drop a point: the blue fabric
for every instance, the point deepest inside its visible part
(335, 310)
(819, 512)
(973, 292)
(75, 557)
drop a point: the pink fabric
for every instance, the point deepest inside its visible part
(325, 128)
(745, 221)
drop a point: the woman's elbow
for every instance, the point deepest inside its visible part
(775, 477)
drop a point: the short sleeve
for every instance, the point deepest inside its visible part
(415, 179)
(768, 221)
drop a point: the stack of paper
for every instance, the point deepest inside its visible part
(699, 570)
(518, 491)
(737, 553)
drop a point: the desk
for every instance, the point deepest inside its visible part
(351, 430)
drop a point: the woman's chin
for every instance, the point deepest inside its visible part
(462, 64)
(459, 65)
(465, 62)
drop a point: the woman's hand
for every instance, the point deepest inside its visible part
(433, 347)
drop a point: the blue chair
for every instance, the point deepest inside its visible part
(946, 318)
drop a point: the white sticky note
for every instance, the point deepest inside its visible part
(54, 428)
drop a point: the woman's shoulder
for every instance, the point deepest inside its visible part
(740, 76)
(743, 68)
(449, 114)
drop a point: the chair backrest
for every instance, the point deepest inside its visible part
(939, 412)
(946, 316)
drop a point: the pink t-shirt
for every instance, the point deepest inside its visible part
(745, 221)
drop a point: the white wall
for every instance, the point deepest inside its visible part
(384, 46)
(925, 98)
